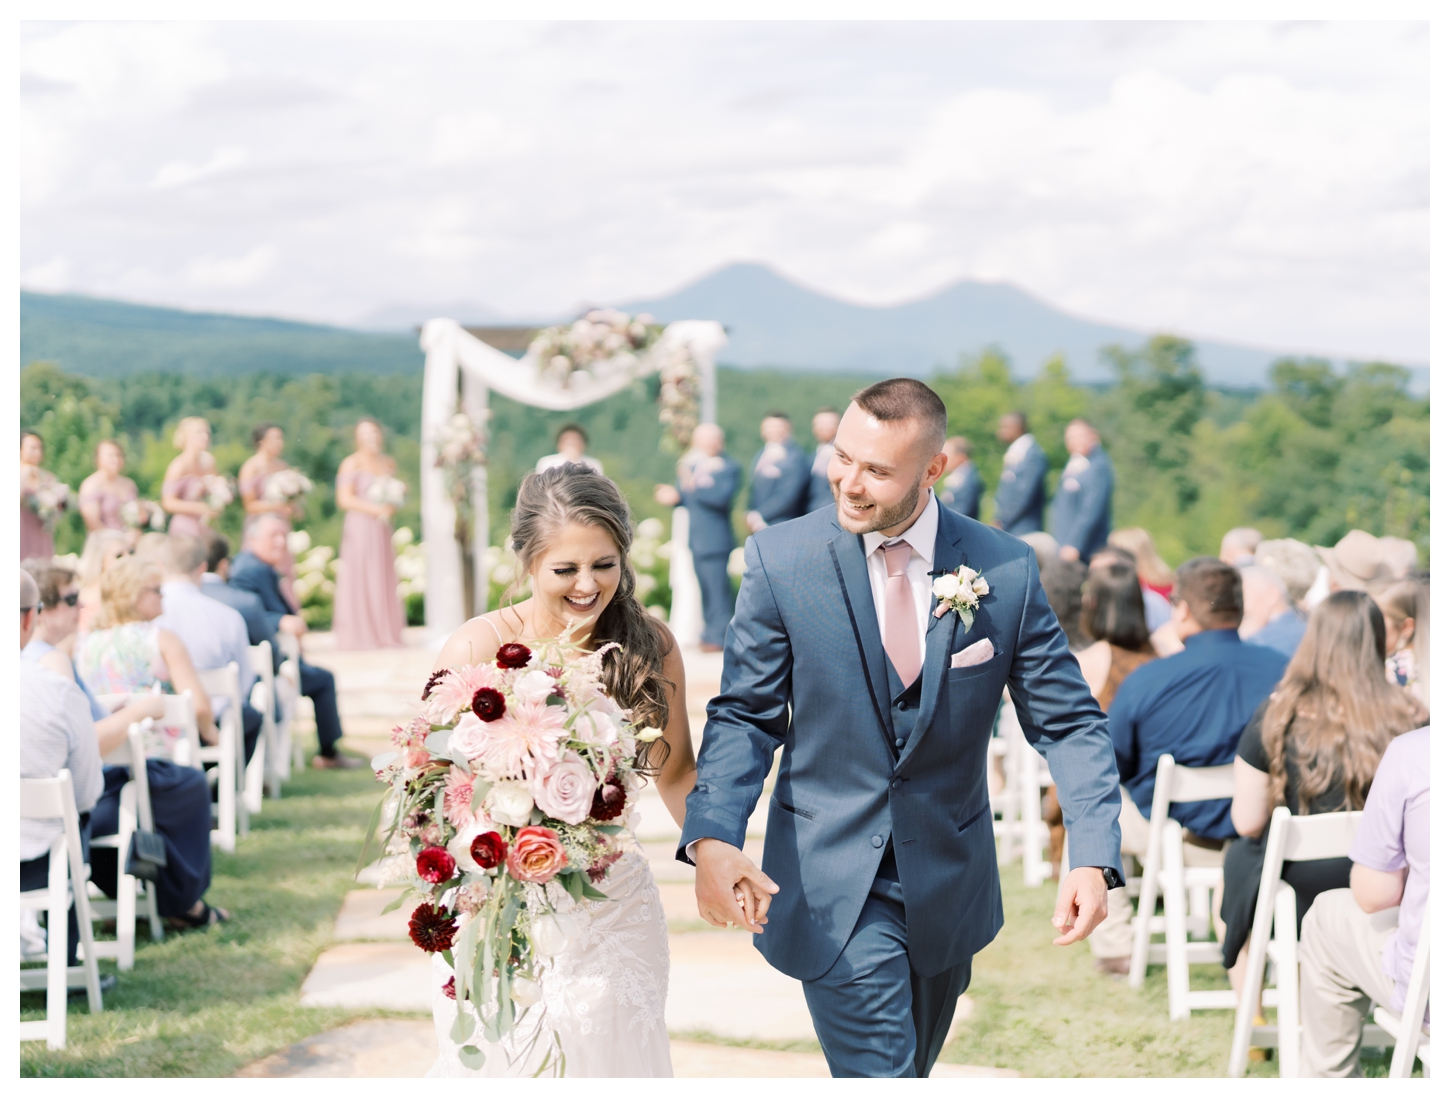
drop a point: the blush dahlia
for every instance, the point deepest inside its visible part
(513, 655)
(488, 704)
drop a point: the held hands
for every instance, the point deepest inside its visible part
(1082, 902)
(728, 887)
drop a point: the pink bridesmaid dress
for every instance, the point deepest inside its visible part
(366, 611)
(191, 488)
(110, 502)
(35, 539)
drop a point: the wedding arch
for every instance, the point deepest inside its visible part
(684, 349)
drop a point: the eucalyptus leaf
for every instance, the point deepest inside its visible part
(609, 829)
(460, 760)
(480, 791)
(536, 817)
(471, 1057)
(592, 893)
(396, 903)
(574, 882)
(462, 1026)
(437, 743)
(554, 699)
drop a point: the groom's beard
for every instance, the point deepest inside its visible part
(881, 517)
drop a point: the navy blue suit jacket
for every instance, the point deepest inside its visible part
(962, 490)
(261, 624)
(1082, 511)
(782, 497)
(819, 493)
(805, 670)
(1021, 495)
(709, 504)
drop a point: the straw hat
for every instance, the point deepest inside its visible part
(1360, 561)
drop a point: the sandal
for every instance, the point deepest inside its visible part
(209, 916)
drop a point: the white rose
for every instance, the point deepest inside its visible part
(979, 587)
(534, 686)
(510, 803)
(946, 587)
(565, 790)
(525, 992)
(552, 933)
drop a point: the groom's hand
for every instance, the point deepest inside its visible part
(1082, 902)
(719, 867)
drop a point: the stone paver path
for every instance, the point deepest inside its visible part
(719, 984)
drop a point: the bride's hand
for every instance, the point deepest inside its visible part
(719, 870)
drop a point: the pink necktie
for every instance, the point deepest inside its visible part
(903, 639)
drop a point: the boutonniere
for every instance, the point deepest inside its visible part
(961, 591)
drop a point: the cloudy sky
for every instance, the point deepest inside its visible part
(1261, 183)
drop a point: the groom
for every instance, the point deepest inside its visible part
(880, 870)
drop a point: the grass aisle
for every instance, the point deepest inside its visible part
(204, 1003)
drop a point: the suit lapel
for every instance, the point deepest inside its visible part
(850, 561)
(941, 632)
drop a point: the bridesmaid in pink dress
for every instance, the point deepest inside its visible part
(107, 490)
(252, 483)
(36, 539)
(366, 610)
(183, 491)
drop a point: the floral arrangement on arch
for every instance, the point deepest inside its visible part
(462, 447)
(503, 811)
(143, 515)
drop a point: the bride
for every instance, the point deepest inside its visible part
(605, 994)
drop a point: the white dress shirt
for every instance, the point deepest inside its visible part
(56, 733)
(1018, 450)
(921, 536)
(213, 633)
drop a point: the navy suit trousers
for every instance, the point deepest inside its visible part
(716, 597)
(318, 685)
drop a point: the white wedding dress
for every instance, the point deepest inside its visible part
(604, 995)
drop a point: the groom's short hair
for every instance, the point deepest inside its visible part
(900, 398)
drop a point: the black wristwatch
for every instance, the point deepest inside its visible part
(1112, 878)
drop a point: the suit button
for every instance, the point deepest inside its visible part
(901, 705)
(900, 743)
(877, 841)
(895, 783)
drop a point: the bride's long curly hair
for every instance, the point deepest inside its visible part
(634, 672)
(1334, 710)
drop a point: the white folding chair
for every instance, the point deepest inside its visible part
(1005, 803)
(134, 897)
(1027, 776)
(1186, 890)
(229, 754)
(54, 799)
(174, 736)
(1406, 1028)
(262, 773)
(1275, 936)
(289, 689)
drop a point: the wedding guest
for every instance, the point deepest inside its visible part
(1406, 607)
(1153, 573)
(268, 441)
(262, 624)
(1021, 493)
(214, 634)
(103, 548)
(1357, 946)
(708, 481)
(367, 612)
(1044, 549)
(183, 490)
(570, 445)
(1082, 511)
(823, 427)
(1192, 705)
(1313, 747)
(1360, 561)
(41, 495)
(107, 490)
(1269, 617)
(1238, 545)
(1293, 562)
(962, 487)
(780, 476)
(1155, 606)
(1062, 582)
(55, 734)
(255, 570)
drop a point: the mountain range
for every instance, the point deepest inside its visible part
(772, 322)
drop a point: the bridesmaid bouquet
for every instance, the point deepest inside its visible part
(217, 491)
(143, 514)
(387, 491)
(285, 485)
(49, 499)
(505, 803)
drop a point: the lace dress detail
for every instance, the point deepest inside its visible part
(605, 995)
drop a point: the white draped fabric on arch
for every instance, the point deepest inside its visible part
(453, 354)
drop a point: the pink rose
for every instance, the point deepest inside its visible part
(470, 736)
(597, 729)
(537, 855)
(565, 789)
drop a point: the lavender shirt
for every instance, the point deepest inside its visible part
(1395, 833)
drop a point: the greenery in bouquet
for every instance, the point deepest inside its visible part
(504, 811)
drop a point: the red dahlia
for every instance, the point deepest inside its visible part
(433, 680)
(512, 656)
(432, 928)
(435, 864)
(488, 704)
(450, 989)
(488, 849)
(608, 801)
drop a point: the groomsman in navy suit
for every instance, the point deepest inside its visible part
(823, 426)
(708, 481)
(961, 488)
(780, 476)
(1020, 492)
(1082, 512)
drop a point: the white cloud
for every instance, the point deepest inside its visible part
(52, 275)
(1257, 182)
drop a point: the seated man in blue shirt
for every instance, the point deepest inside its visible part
(1192, 705)
(1269, 617)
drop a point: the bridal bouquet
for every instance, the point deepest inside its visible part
(387, 492)
(218, 491)
(285, 485)
(143, 514)
(505, 802)
(50, 497)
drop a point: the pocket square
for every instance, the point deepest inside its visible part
(974, 654)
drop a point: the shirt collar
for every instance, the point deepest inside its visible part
(1018, 449)
(210, 577)
(921, 535)
(1213, 636)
